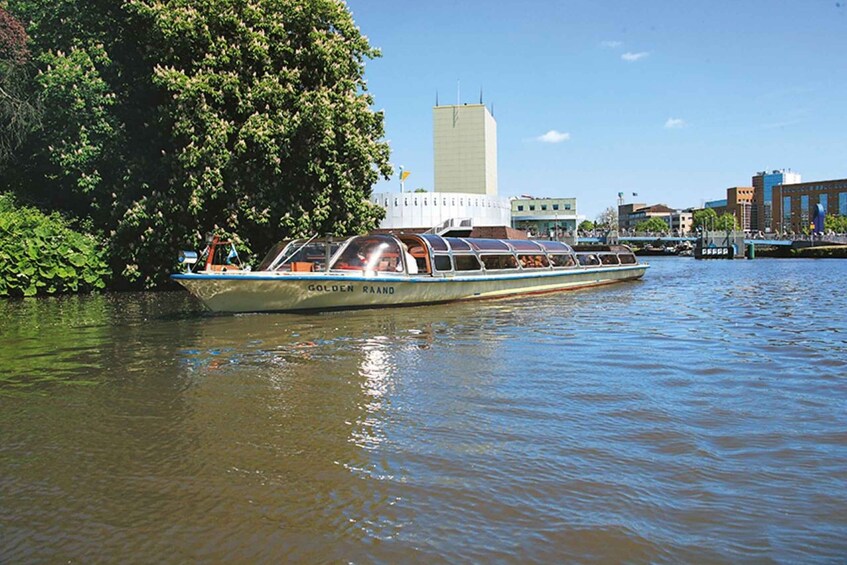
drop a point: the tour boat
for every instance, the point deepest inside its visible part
(372, 271)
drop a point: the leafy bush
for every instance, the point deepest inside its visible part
(41, 254)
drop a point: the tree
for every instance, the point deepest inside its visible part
(653, 224)
(166, 120)
(19, 113)
(419, 190)
(705, 219)
(586, 225)
(607, 219)
(726, 222)
(837, 224)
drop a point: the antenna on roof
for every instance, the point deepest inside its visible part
(480, 95)
(436, 98)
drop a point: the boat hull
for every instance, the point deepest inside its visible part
(270, 292)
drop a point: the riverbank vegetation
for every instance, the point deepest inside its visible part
(41, 254)
(154, 123)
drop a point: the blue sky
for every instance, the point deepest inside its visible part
(673, 100)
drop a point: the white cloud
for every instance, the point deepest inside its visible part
(611, 44)
(631, 57)
(554, 136)
(674, 123)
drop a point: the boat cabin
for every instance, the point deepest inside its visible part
(433, 255)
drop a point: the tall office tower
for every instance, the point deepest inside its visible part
(465, 148)
(763, 183)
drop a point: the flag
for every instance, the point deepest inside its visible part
(404, 175)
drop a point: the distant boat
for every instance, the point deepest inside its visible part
(374, 271)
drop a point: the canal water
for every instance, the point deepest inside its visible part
(699, 416)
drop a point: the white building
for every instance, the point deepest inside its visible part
(465, 149)
(433, 209)
(465, 158)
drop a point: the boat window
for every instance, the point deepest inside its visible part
(524, 245)
(534, 261)
(457, 244)
(555, 246)
(443, 263)
(488, 244)
(587, 259)
(466, 263)
(436, 242)
(564, 260)
(417, 254)
(608, 259)
(627, 259)
(298, 256)
(374, 253)
(275, 252)
(499, 261)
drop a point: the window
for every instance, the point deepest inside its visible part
(587, 259)
(443, 263)
(532, 207)
(567, 206)
(609, 259)
(823, 202)
(499, 261)
(627, 259)
(842, 203)
(544, 206)
(372, 253)
(466, 262)
(555, 206)
(534, 261)
(520, 208)
(562, 260)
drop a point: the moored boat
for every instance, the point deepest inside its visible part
(394, 270)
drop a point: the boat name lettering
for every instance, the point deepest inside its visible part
(330, 288)
(378, 289)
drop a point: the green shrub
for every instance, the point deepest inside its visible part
(41, 254)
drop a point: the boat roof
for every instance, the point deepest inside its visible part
(485, 245)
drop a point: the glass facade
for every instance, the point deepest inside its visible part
(823, 202)
(786, 212)
(804, 211)
(842, 203)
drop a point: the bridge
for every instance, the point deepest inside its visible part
(664, 239)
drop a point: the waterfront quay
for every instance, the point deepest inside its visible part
(694, 416)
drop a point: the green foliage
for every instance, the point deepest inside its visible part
(41, 254)
(586, 225)
(167, 120)
(726, 222)
(653, 224)
(837, 224)
(705, 219)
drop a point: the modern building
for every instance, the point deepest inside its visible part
(465, 143)
(793, 203)
(762, 216)
(545, 216)
(739, 203)
(465, 149)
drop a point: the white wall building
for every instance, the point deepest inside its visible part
(465, 149)
(432, 209)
